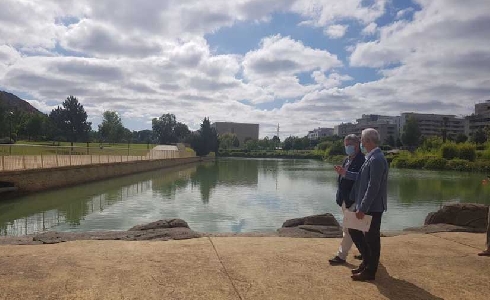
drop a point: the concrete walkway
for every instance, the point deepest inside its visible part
(415, 266)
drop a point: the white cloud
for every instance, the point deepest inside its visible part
(321, 13)
(282, 55)
(147, 57)
(336, 31)
(371, 28)
(402, 13)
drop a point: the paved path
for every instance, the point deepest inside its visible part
(415, 266)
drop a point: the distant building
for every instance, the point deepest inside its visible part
(480, 119)
(319, 133)
(385, 125)
(243, 131)
(433, 124)
(344, 129)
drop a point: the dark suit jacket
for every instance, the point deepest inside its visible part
(345, 185)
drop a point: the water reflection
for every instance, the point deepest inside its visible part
(229, 195)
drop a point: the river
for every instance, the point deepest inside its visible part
(230, 195)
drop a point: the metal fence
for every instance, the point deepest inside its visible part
(23, 157)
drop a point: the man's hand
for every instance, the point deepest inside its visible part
(360, 215)
(341, 171)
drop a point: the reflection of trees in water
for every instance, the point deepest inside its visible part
(166, 184)
(238, 171)
(41, 211)
(412, 190)
(206, 176)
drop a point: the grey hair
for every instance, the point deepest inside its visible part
(352, 138)
(371, 135)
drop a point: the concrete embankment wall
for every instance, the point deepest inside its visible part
(43, 179)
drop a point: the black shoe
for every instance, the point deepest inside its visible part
(358, 270)
(358, 257)
(363, 276)
(336, 261)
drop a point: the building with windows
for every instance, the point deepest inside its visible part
(243, 131)
(434, 125)
(480, 119)
(344, 129)
(319, 133)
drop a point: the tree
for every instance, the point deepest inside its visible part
(205, 140)
(181, 131)
(398, 142)
(163, 128)
(111, 129)
(411, 133)
(461, 138)
(34, 126)
(288, 143)
(71, 121)
(276, 141)
(167, 130)
(444, 128)
(479, 136)
(226, 140)
(390, 140)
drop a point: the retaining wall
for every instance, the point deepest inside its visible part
(43, 179)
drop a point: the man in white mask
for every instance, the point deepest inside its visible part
(353, 163)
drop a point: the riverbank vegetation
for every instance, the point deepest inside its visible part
(434, 154)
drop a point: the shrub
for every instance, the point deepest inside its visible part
(417, 162)
(459, 165)
(449, 151)
(400, 162)
(481, 166)
(467, 151)
(336, 149)
(435, 163)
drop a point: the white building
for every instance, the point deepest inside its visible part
(319, 133)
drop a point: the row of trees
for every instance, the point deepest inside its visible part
(68, 123)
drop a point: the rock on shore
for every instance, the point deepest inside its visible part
(457, 217)
(316, 226)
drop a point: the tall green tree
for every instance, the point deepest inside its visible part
(205, 140)
(71, 121)
(35, 126)
(411, 133)
(167, 130)
(111, 129)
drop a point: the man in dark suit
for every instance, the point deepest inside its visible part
(370, 195)
(353, 163)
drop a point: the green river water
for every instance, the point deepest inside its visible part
(230, 195)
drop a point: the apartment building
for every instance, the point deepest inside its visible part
(319, 133)
(344, 129)
(241, 130)
(434, 124)
(480, 119)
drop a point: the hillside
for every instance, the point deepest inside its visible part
(11, 101)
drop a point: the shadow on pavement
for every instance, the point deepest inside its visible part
(397, 289)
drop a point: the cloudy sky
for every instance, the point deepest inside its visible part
(300, 63)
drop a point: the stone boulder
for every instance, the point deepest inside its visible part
(323, 220)
(161, 224)
(316, 226)
(472, 216)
